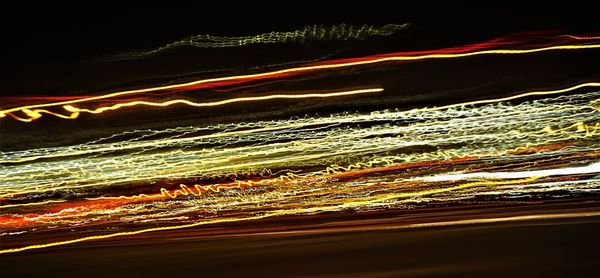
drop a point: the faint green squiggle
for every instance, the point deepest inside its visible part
(341, 32)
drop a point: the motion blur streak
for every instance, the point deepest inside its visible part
(152, 180)
(239, 141)
(408, 226)
(340, 32)
(34, 112)
(75, 112)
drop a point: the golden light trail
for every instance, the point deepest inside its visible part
(266, 215)
(33, 204)
(34, 109)
(535, 93)
(76, 110)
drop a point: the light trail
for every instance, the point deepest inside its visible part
(589, 169)
(501, 149)
(360, 118)
(582, 37)
(407, 226)
(33, 111)
(75, 112)
(32, 204)
(257, 217)
(258, 150)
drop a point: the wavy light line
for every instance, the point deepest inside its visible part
(218, 103)
(75, 112)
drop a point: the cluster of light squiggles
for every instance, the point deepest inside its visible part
(162, 179)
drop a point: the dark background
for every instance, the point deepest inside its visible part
(57, 41)
(46, 32)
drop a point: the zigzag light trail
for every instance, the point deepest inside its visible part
(342, 32)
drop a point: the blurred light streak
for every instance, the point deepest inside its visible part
(408, 226)
(34, 111)
(535, 145)
(589, 169)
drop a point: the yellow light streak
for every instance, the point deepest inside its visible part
(75, 112)
(33, 204)
(221, 102)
